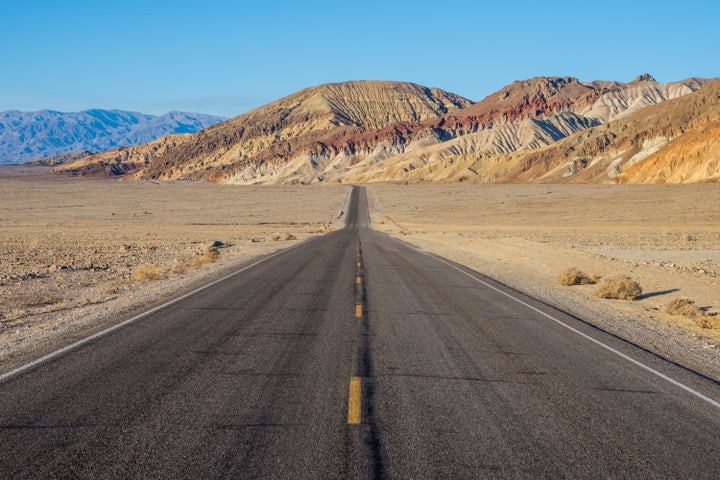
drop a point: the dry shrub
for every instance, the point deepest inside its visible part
(210, 255)
(194, 264)
(707, 322)
(572, 276)
(683, 307)
(148, 272)
(179, 268)
(618, 287)
(289, 236)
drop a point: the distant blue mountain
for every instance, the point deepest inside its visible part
(27, 136)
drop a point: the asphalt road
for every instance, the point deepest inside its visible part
(355, 356)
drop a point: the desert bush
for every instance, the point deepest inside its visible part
(210, 255)
(572, 276)
(147, 272)
(179, 268)
(289, 236)
(707, 322)
(618, 287)
(683, 307)
(194, 263)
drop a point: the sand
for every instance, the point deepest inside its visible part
(665, 237)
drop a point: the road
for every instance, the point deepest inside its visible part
(353, 355)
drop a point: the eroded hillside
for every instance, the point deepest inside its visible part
(542, 129)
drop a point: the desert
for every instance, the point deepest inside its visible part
(311, 240)
(80, 254)
(76, 255)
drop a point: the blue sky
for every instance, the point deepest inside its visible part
(227, 57)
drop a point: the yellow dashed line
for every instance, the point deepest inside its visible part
(354, 401)
(358, 264)
(358, 311)
(358, 280)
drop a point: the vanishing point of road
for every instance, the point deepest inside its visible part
(354, 355)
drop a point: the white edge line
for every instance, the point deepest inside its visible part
(127, 322)
(690, 390)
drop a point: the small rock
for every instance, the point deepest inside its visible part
(53, 268)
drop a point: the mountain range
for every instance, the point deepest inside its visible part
(545, 129)
(28, 136)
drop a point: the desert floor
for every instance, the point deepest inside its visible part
(667, 238)
(71, 249)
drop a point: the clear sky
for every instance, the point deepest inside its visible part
(227, 57)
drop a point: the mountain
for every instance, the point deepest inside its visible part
(245, 148)
(389, 131)
(28, 136)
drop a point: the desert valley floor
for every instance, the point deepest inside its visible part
(76, 255)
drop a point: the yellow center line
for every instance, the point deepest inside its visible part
(358, 264)
(358, 280)
(354, 401)
(358, 311)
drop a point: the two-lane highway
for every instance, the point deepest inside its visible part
(353, 355)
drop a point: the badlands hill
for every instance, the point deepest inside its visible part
(248, 147)
(522, 151)
(672, 142)
(388, 131)
(28, 136)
